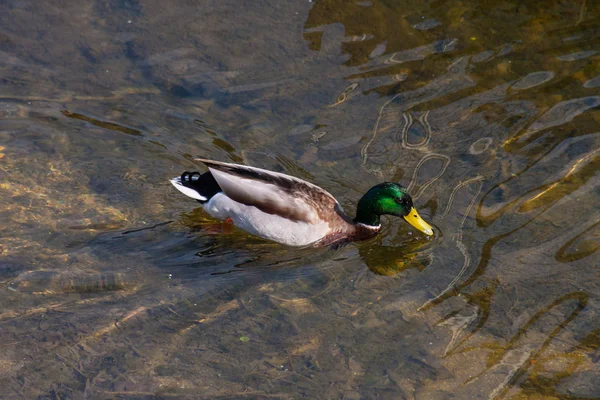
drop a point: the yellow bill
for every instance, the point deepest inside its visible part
(415, 220)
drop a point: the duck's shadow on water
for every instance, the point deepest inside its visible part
(200, 250)
(195, 249)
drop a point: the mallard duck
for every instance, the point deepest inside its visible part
(289, 210)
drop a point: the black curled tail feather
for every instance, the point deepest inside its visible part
(204, 184)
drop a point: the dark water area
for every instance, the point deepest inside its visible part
(114, 285)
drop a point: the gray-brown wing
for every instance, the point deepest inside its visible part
(274, 193)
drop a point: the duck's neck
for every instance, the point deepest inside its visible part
(366, 224)
(365, 215)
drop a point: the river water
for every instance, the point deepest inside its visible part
(114, 285)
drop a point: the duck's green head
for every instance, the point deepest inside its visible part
(393, 199)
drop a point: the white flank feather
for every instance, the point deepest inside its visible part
(267, 226)
(186, 190)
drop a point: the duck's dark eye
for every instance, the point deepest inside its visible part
(404, 201)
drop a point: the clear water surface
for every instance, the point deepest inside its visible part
(113, 285)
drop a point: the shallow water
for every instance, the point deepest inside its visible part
(113, 285)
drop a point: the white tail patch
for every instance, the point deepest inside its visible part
(186, 190)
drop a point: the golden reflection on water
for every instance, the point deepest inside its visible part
(570, 182)
(113, 285)
(582, 245)
(391, 260)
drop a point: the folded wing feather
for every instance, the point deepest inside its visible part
(273, 192)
